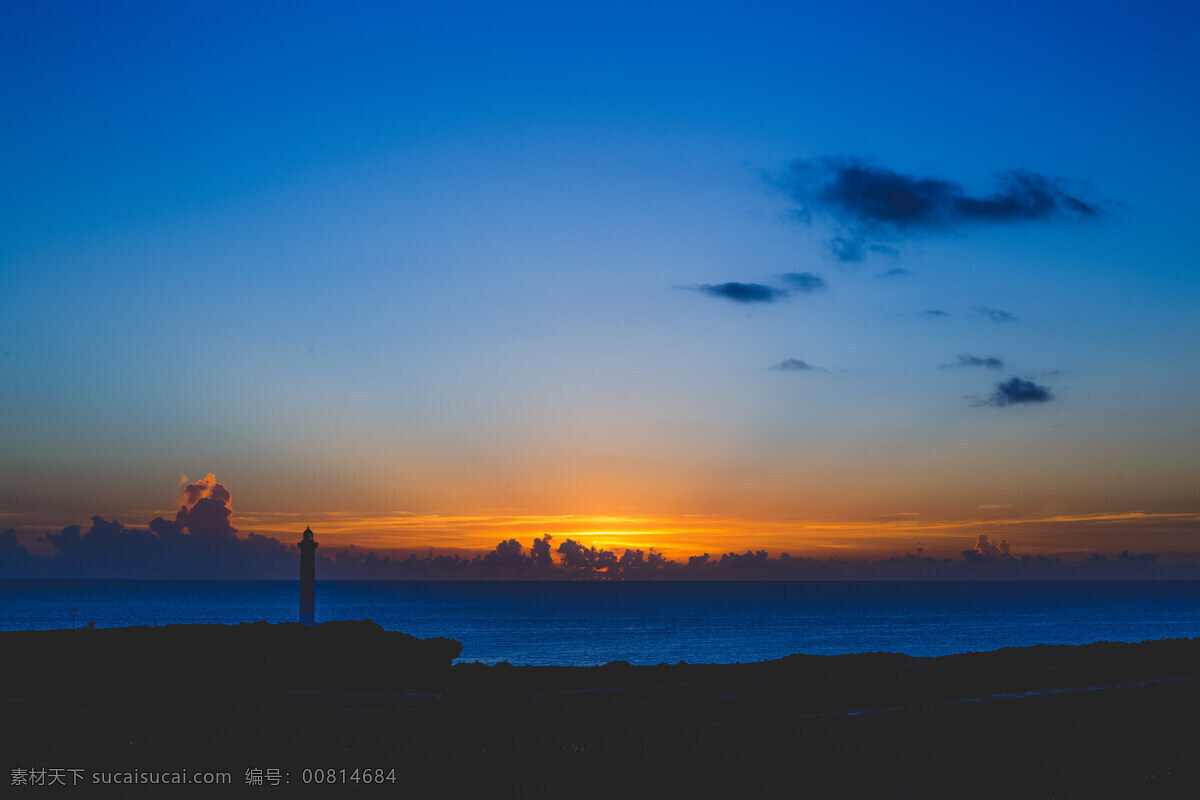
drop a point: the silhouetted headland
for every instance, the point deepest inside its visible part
(1100, 720)
(249, 656)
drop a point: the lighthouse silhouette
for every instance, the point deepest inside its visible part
(308, 582)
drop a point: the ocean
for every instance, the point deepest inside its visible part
(588, 623)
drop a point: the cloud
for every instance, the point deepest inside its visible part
(207, 509)
(968, 360)
(167, 550)
(934, 313)
(743, 292)
(541, 552)
(876, 198)
(995, 314)
(577, 557)
(986, 548)
(869, 203)
(794, 365)
(797, 282)
(109, 550)
(846, 249)
(805, 281)
(200, 489)
(854, 248)
(1015, 391)
(507, 554)
(895, 272)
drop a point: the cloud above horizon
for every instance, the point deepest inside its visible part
(167, 550)
(207, 509)
(1016, 391)
(986, 548)
(109, 550)
(871, 204)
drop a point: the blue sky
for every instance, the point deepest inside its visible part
(450, 259)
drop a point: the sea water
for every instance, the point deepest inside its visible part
(588, 623)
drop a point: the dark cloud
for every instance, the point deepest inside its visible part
(207, 509)
(1016, 391)
(994, 314)
(577, 557)
(805, 281)
(169, 550)
(870, 202)
(985, 548)
(743, 292)
(934, 313)
(109, 550)
(876, 198)
(895, 272)
(794, 365)
(541, 552)
(15, 558)
(507, 554)
(968, 360)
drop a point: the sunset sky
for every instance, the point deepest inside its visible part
(830, 278)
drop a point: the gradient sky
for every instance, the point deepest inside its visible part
(436, 274)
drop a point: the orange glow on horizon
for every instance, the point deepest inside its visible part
(679, 537)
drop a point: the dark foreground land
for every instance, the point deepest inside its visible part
(1102, 720)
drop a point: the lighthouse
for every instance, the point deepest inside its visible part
(308, 583)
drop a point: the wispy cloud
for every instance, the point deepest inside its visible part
(846, 248)
(805, 282)
(855, 248)
(1016, 391)
(994, 314)
(895, 272)
(934, 313)
(795, 365)
(968, 360)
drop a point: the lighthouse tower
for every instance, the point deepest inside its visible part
(308, 588)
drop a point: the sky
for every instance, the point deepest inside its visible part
(833, 279)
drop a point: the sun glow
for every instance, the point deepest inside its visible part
(679, 537)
